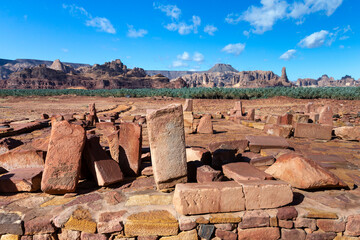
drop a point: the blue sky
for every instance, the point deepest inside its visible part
(308, 37)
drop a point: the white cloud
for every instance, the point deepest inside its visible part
(184, 28)
(263, 18)
(185, 56)
(65, 50)
(198, 57)
(317, 39)
(236, 48)
(179, 63)
(210, 29)
(233, 18)
(341, 46)
(102, 24)
(306, 7)
(133, 33)
(289, 54)
(246, 33)
(171, 10)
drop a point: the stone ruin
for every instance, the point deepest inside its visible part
(237, 189)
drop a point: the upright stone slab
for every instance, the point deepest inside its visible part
(205, 124)
(105, 170)
(188, 122)
(325, 116)
(309, 107)
(63, 159)
(113, 142)
(167, 146)
(130, 140)
(188, 107)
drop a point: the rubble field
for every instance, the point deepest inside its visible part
(163, 168)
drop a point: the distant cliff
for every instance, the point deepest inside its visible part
(325, 81)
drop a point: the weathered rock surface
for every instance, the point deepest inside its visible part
(167, 145)
(242, 171)
(21, 180)
(22, 158)
(266, 233)
(207, 174)
(348, 133)
(256, 143)
(62, 168)
(130, 142)
(314, 131)
(198, 198)
(205, 125)
(266, 194)
(303, 173)
(188, 106)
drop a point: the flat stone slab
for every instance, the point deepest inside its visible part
(167, 145)
(242, 171)
(22, 158)
(314, 131)
(238, 145)
(266, 194)
(256, 143)
(152, 223)
(62, 168)
(199, 198)
(21, 180)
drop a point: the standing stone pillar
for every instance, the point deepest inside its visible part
(167, 146)
(326, 116)
(188, 107)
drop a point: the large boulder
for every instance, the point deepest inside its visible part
(63, 159)
(21, 180)
(303, 173)
(205, 124)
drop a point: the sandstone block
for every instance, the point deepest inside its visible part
(93, 236)
(326, 116)
(130, 141)
(198, 154)
(314, 131)
(348, 133)
(287, 213)
(328, 225)
(167, 146)
(62, 168)
(22, 158)
(205, 125)
(224, 218)
(6, 144)
(21, 180)
(188, 106)
(305, 223)
(186, 224)
(290, 234)
(69, 235)
(188, 235)
(266, 233)
(262, 161)
(242, 171)
(10, 223)
(254, 219)
(256, 143)
(206, 174)
(188, 122)
(266, 194)
(225, 235)
(302, 172)
(286, 119)
(198, 198)
(39, 225)
(113, 142)
(300, 118)
(239, 145)
(286, 224)
(110, 222)
(105, 170)
(157, 222)
(278, 130)
(353, 226)
(321, 235)
(81, 220)
(10, 237)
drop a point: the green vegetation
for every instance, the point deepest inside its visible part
(344, 93)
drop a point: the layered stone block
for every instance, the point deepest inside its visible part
(205, 125)
(242, 171)
(167, 146)
(21, 180)
(199, 198)
(266, 194)
(256, 143)
(315, 131)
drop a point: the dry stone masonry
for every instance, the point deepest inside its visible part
(92, 178)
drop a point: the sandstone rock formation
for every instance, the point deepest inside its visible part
(325, 81)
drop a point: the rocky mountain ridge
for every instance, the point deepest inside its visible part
(326, 81)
